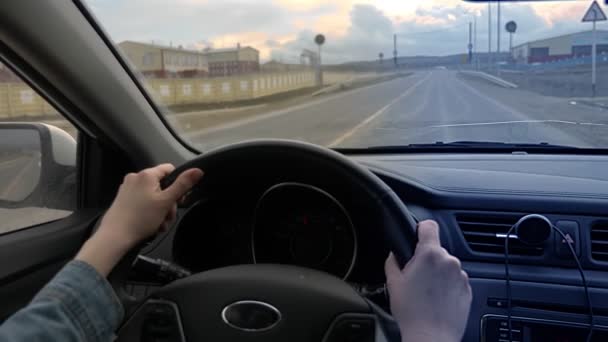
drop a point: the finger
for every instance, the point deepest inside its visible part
(184, 182)
(428, 233)
(160, 171)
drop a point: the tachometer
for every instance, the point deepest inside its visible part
(303, 225)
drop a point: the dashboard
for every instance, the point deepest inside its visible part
(291, 223)
(473, 197)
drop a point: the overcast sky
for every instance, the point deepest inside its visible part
(355, 30)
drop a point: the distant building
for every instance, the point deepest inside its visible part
(560, 47)
(163, 61)
(232, 61)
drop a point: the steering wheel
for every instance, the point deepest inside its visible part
(268, 302)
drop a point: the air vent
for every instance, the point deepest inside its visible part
(599, 241)
(486, 234)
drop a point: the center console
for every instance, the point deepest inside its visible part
(495, 328)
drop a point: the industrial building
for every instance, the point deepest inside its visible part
(232, 61)
(162, 61)
(558, 48)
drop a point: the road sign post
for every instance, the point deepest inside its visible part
(511, 27)
(594, 14)
(470, 45)
(395, 50)
(594, 61)
(319, 40)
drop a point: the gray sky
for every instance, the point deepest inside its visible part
(355, 30)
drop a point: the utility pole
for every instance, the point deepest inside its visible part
(470, 46)
(498, 29)
(475, 56)
(489, 35)
(395, 50)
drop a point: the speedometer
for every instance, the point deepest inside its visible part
(303, 225)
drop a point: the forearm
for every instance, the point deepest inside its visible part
(433, 334)
(424, 338)
(103, 251)
(77, 305)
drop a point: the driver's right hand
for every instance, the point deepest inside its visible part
(430, 297)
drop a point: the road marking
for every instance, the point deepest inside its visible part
(371, 118)
(573, 140)
(592, 124)
(493, 101)
(282, 112)
(17, 179)
(11, 161)
(502, 123)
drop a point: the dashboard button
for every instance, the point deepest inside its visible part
(349, 329)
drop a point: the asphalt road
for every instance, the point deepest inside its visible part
(431, 106)
(19, 175)
(426, 107)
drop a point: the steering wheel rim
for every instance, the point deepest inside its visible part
(256, 280)
(399, 226)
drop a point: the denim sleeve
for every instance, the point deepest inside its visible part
(77, 305)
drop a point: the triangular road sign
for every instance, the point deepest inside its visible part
(594, 13)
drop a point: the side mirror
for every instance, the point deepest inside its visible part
(37, 166)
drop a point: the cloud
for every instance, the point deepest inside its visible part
(355, 29)
(370, 32)
(429, 29)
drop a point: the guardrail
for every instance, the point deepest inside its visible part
(566, 63)
(496, 80)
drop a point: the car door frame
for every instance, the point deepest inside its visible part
(108, 146)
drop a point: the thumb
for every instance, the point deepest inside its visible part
(391, 268)
(183, 183)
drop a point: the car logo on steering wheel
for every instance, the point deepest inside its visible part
(251, 315)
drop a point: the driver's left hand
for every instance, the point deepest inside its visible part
(139, 211)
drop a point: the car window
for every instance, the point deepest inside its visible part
(37, 158)
(358, 74)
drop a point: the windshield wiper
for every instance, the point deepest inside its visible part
(468, 146)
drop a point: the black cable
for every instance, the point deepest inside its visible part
(508, 282)
(580, 269)
(584, 280)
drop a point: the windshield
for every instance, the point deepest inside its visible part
(357, 74)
